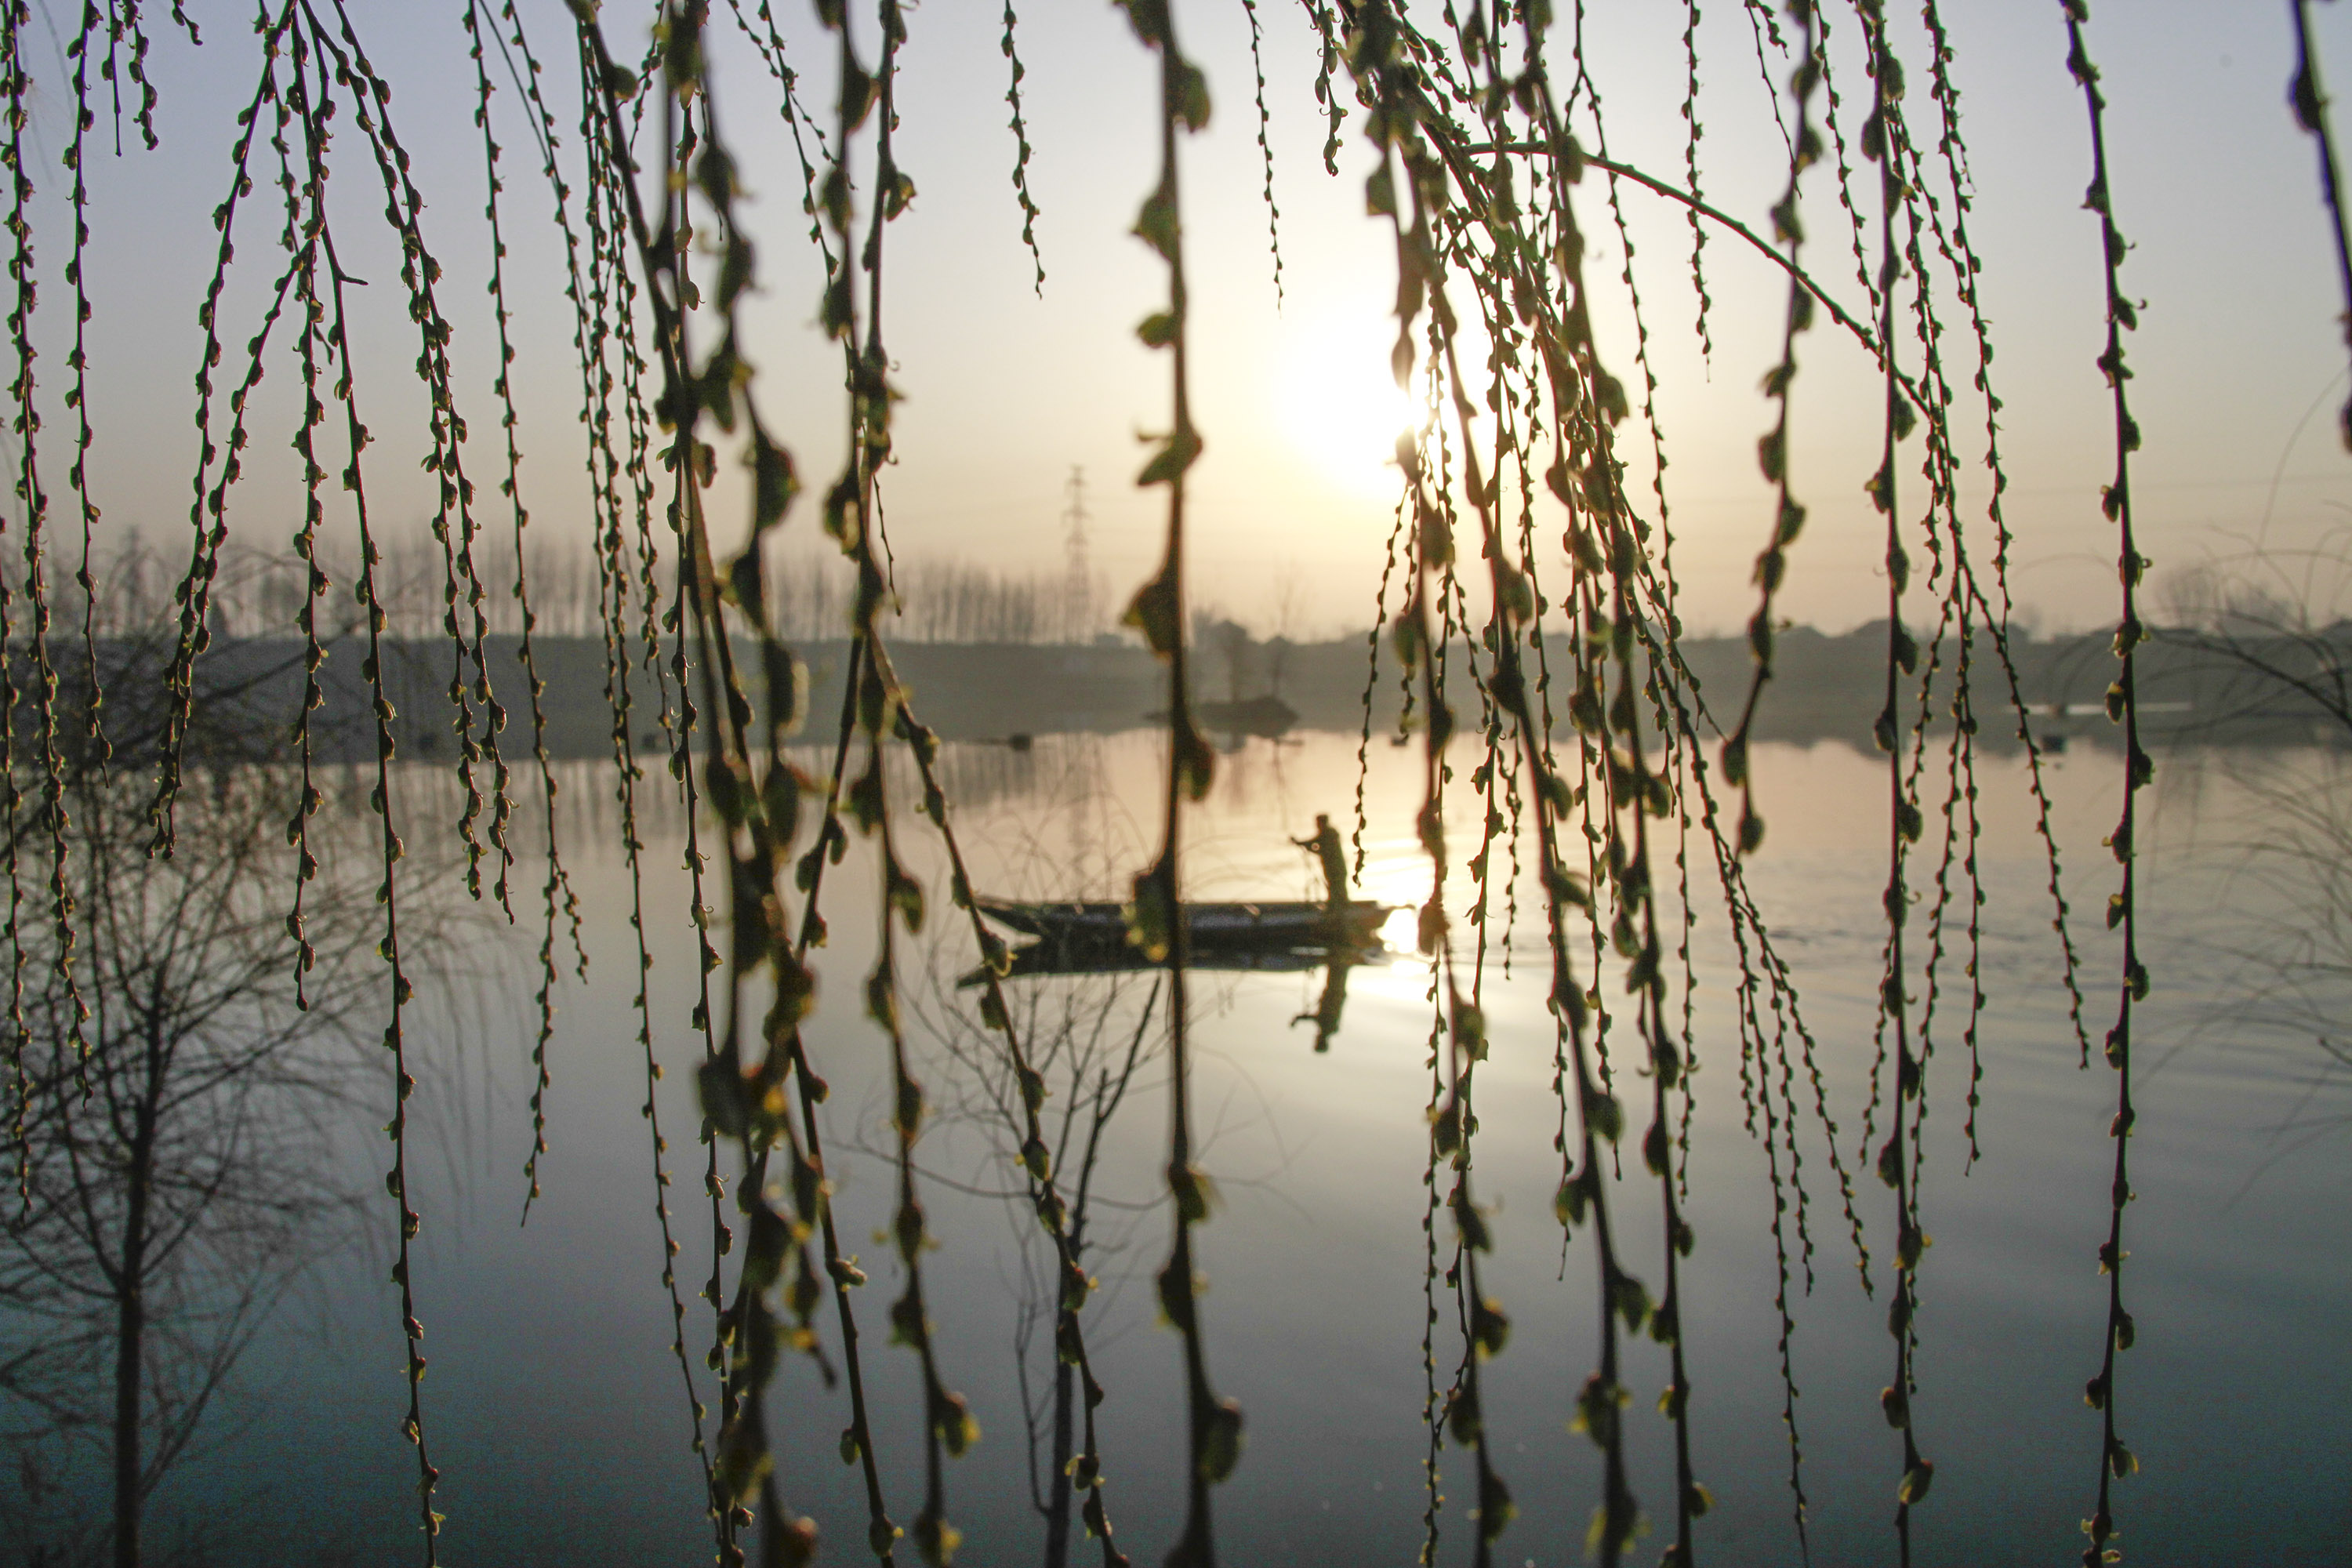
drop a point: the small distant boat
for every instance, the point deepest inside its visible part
(1262, 926)
(1091, 939)
(1267, 717)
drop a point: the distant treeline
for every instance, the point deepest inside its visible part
(259, 594)
(991, 654)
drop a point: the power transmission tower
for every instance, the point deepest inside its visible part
(1078, 591)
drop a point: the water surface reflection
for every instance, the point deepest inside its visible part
(564, 1435)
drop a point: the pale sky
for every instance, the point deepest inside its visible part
(1006, 391)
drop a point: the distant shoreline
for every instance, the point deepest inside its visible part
(1824, 688)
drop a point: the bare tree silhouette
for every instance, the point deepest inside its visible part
(175, 1087)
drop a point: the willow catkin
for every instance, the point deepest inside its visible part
(769, 42)
(1525, 445)
(1213, 1424)
(1611, 639)
(476, 22)
(24, 421)
(1400, 115)
(1772, 451)
(2309, 101)
(703, 1020)
(1458, 1018)
(1964, 719)
(306, 216)
(1763, 28)
(1693, 133)
(1659, 596)
(315, 70)
(857, 1439)
(94, 739)
(1373, 639)
(1517, 250)
(1898, 1166)
(760, 817)
(1485, 1325)
(626, 535)
(2116, 1459)
(1994, 607)
(194, 588)
(557, 902)
(1636, 793)
(948, 1424)
(805, 1150)
(853, 516)
(620, 590)
(1950, 572)
(1589, 403)
(14, 19)
(1435, 1406)
(1819, 27)
(1054, 1212)
(463, 620)
(1030, 211)
(1265, 145)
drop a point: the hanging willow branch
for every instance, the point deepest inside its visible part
(2309, 101)
(2116, 1459)
(1156, 919)
(557, 889)
(759, 816)
(1897, 1164)
(1772, 451)
(1022, 152)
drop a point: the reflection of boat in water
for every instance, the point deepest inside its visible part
(1091, 939)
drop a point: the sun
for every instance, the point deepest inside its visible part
(1340, 408)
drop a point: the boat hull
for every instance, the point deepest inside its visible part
(1256, 926)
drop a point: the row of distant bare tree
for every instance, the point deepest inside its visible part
(259, 592)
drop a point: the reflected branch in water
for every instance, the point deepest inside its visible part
(1081, 1062)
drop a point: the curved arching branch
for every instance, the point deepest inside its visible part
(1861, 334)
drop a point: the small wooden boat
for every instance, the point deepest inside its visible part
(1266, 926)
(1117, 957)
(1266, 717)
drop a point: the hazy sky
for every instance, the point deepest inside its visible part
(1006, 391)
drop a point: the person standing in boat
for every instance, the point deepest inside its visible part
(1328, 850)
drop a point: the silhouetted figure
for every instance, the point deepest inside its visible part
(1334, 1000)
(1333, 855)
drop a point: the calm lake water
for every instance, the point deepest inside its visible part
(556, 1411)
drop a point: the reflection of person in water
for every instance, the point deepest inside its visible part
(1328, 849)
(1335, 998)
